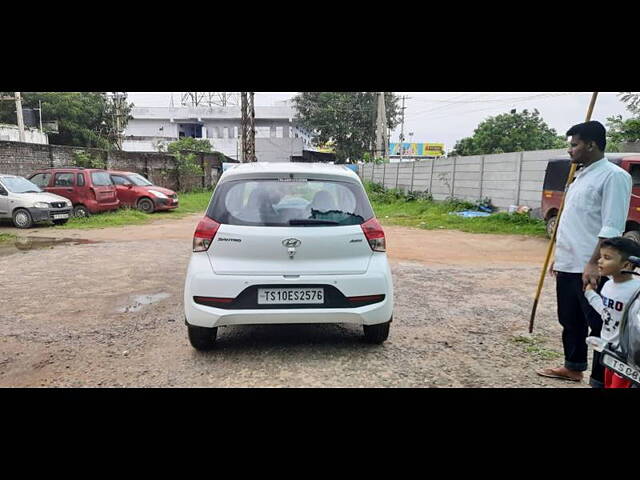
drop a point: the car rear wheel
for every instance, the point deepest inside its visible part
(377, 333)
(22, 219)
(202, 338)
(81, 211)
(551, 224)
(146, 205)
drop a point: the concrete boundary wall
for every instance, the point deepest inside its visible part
(506, 178)
(23, 159)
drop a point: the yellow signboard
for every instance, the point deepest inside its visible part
(417, 149)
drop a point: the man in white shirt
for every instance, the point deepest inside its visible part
(596, 208)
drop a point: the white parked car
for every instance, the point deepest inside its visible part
(25, 203)
(288, 243)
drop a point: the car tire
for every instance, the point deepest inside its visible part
(80, 211)
(633, 235)
(60, 222)
(551, 224)
(146, 205)
(202, 338)
(377, 333)
(22, 219)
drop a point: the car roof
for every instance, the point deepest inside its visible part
(49, 169)
(298, 169)
(613, 157)
(121, 172)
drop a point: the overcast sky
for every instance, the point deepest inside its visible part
(449, 116)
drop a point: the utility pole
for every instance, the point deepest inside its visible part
(118, 100)
(40, 112)
(19, 113)
(381, 130)
(402, 127)
(248, 115)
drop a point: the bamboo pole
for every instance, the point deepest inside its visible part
(552, 243)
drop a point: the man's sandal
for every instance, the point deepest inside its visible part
(554, 373)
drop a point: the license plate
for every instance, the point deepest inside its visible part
(621, 368)
(60, 216)
(290, 296)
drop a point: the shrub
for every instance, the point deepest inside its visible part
(86, 160)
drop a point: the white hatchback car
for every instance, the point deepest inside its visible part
(288, 243)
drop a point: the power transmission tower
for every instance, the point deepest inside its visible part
(225, 98)
(381, 130)
(221, 99)
(248, 124)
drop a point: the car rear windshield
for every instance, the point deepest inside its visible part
(290, 202)
(556, 175)
(101, 179)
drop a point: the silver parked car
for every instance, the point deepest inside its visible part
(26, 203)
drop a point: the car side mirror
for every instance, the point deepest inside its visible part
(128, 185)
(3, 192)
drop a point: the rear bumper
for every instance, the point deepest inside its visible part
(201, 281)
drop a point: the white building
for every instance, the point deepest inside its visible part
(277, 138)
(31, 135)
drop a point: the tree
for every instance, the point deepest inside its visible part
(185, 151)
(345, 118)
(632, 99)
(620, 131)
(85, 119)
(510, 132)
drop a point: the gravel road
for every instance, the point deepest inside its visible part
(106, 310)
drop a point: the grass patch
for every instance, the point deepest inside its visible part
(534, 345)
(7, 237)
(394, 208)
(192, 202)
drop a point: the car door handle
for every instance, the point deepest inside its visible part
(69, 189)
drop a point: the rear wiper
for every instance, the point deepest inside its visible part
(312, 221)
(32, 191)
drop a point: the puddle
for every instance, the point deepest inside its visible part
(39, 243)
(143, 300)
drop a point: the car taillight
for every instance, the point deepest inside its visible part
(205, 232)
(375, 235)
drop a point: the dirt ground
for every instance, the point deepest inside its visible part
(106, 310)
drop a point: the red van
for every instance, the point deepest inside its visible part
(556, 178)
(89, 189)
(135, 191)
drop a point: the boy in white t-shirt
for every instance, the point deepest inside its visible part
(615, 294)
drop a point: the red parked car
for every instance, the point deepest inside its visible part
(556, 178)
(89, 189)
(135, 191)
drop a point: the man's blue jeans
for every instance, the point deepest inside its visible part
(577, 317)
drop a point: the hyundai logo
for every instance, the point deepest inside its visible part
(291, 242)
